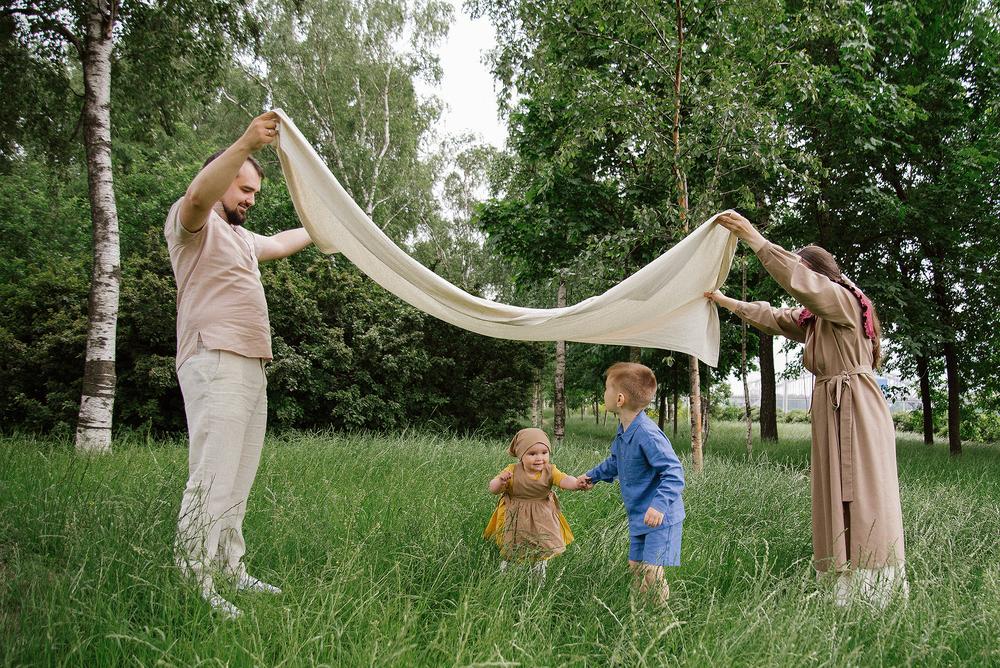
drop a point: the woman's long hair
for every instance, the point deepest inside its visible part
(821, 261)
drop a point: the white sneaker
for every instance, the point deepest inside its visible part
(252, 584)
(221, 605)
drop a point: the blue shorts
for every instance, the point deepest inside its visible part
(659, 547)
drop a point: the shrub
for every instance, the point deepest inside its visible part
(347, 354)
(797, 416)
(728, 413)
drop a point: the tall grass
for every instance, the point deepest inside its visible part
(376, 542)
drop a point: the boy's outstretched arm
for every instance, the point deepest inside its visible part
(606, 471)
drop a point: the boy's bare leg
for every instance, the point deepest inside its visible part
(649, 579)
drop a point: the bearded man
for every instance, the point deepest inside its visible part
(223, 343)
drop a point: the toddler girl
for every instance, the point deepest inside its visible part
(527, 523)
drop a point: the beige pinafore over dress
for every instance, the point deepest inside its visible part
(528, 522)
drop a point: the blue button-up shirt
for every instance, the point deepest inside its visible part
(648, 471)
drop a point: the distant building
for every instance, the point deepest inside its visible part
(796, 393)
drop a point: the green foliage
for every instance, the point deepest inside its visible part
(980, 422)
(912, 421)
(729, 413)
(40, 95)
(798, 415)
(451, 244)
(870, 128)
(167, 57)
(43, 329)
(348, 354)
(346, 73)
(903, 122)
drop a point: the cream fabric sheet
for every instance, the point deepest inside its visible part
(660, 306)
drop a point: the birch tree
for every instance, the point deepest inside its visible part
(95, 38)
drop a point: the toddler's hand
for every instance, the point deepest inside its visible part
(654, 517)
(505, 477)
(584, 483)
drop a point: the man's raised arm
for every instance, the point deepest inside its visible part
(211, 183)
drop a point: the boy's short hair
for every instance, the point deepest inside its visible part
(636, 381)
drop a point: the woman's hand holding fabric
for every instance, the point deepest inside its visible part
(722, 300)
(742, 228)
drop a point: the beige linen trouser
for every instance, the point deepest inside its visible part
(225, 399)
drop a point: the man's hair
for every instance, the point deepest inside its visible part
(636, 381)
(252, 160)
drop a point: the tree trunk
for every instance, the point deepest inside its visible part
(597, 413)
(695, 406)
(706, 408)
(559, 418)
(946, 312)
(743, 363)
(768, 390)
(536, 400)
(746, 394)
(661, 406)
(954, 398)
(635, 354)
(93, 430)
(676, 408)
(923, 372)
(682, 208)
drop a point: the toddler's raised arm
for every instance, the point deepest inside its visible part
(499, 483)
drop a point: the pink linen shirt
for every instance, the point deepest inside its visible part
(220, 298)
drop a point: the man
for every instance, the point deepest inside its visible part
(223, 342)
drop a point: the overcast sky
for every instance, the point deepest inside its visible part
(467, 86)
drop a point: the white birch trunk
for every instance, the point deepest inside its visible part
(559, 417)
(93, 432)
(536, 399)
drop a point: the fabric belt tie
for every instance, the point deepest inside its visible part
(839, 388)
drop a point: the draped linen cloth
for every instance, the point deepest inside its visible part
(660, 306)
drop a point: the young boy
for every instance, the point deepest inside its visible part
(650, 475)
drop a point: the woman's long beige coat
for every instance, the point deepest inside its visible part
(855, 487)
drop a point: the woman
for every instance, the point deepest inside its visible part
(857, 521)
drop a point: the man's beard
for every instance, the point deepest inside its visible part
(233, 216)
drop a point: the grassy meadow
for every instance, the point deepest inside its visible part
(376, 542)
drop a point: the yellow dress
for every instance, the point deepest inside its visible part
(540, 527)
